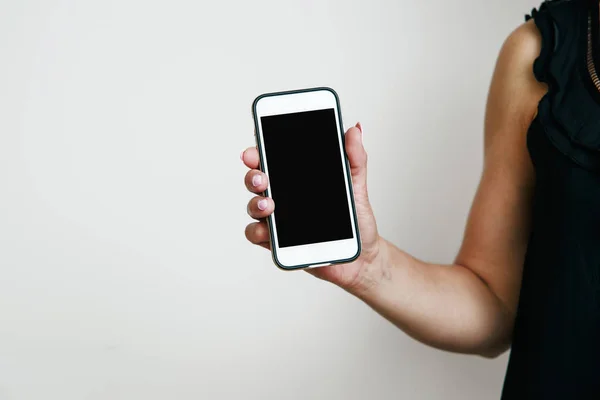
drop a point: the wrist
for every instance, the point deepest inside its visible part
(375, 270)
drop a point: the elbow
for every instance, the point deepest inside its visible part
(489, 347)
(492, 336)
(494, 352)
(484, 340)
(497, 341)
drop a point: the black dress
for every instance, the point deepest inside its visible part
(556, 340)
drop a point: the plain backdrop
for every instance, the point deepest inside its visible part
(124, 270)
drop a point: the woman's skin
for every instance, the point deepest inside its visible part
(468, 306)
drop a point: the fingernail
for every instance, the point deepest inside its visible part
(256, 180)
(359, 126)
(242, 155)
(262, 204)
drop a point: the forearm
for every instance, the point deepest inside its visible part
(445, 306)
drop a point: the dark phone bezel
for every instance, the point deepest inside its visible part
(348, 178)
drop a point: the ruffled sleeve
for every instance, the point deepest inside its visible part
(547, 29)
(568, 114)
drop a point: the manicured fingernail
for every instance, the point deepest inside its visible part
(262, 204)
(256, 180)
(242, 155)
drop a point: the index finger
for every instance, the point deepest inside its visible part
(250, 157)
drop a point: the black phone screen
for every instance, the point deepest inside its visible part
(306, 177)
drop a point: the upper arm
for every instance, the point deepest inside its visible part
(498, 225)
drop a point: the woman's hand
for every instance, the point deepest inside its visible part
(367, 270)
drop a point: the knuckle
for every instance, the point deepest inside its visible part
(247, 177)
(251, 234)
(248, 232)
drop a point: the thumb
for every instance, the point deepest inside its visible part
(357, 156)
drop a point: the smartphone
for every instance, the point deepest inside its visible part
(300, 139)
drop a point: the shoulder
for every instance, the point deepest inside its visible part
(550, 32)
(543, 26)
(515, 64)
(522, 46)
(515, 91)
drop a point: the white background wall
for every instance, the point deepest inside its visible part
(124, 271)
